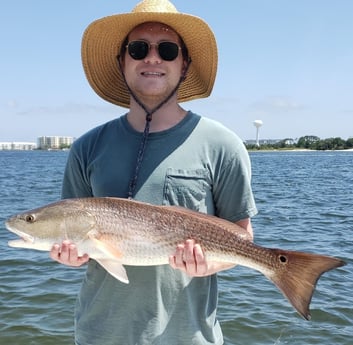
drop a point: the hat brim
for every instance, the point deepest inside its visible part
(102, 41)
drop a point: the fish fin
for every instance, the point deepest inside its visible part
(297, 275)
(105, 247)
(111, 262)
(114, 268)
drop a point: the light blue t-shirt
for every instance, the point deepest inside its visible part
(197, 164)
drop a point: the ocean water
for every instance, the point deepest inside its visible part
(305, 202)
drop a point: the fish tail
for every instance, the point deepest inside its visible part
(296, 276)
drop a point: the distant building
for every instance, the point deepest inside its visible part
(17, 145)
(286, 142)
(262, 142)
(54, 142)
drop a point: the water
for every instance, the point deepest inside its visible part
(305, 203)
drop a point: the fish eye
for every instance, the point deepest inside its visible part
(283, 259)
(30, 218)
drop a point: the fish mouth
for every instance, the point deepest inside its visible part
(23, 236)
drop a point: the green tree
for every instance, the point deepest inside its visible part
(308, 141)
(349, 144)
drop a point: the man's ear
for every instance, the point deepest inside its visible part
(184, 71)
(121, 62)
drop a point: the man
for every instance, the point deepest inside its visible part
(149, 61)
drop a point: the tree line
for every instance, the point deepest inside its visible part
(309, 142)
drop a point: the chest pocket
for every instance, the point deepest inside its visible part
(188, 188)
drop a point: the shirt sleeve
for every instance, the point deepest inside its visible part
(233, 195)
(76, 180)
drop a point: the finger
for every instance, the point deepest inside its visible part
(64, 256)
(189, 251)
(189, 257)
(73, 258)
(172, 261)
(73, 254)
(55, 252)
(200, 259)
(82, 259)
(179, 257)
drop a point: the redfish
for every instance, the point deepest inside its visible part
(117, 232)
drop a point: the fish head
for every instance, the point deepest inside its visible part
(40, 228)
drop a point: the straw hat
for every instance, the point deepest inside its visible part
(102, 40)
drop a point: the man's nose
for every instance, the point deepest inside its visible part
(153, 54)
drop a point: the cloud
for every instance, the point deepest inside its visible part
(12, 104)
(71, 119)
(68, 109)
(275, 105)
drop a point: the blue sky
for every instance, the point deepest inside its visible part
(288, 63)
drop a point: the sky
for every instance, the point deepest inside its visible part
(288, 63)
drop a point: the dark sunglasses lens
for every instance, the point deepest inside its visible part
(138, 50)
(168, 51)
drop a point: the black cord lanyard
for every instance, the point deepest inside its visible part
(143, 144)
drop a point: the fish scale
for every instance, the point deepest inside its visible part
(219, 242)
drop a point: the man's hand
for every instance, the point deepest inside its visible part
(189, 258)
(67, 254)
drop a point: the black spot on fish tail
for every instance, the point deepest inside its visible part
(296, 276)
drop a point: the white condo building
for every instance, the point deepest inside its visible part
(17, 145)
(54, 142)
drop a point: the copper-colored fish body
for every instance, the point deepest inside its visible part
(118, 232)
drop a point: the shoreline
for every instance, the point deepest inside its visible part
(297, 150)
(279, 150)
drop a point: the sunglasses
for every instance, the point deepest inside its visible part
(138, 50)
